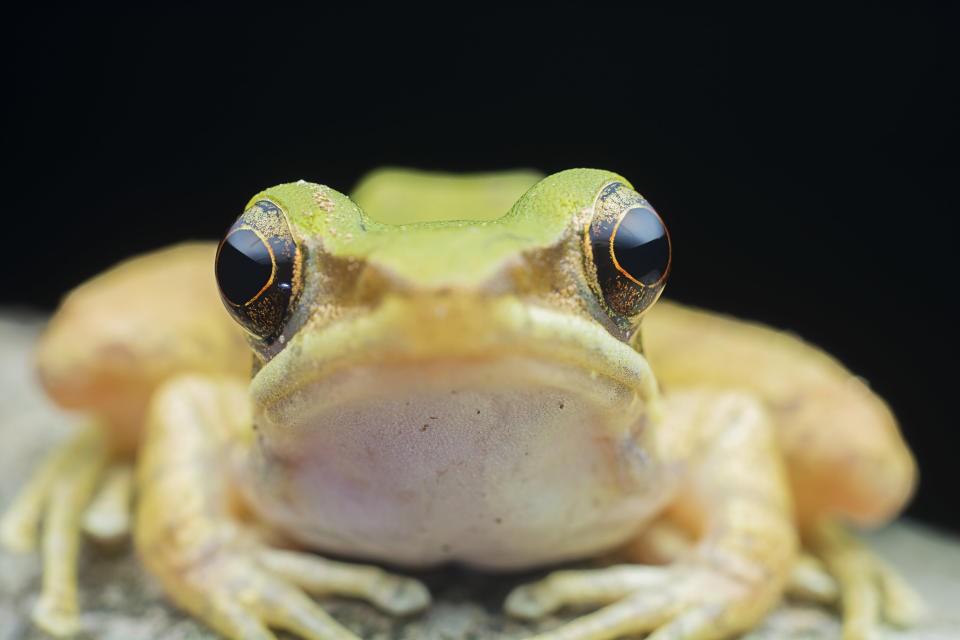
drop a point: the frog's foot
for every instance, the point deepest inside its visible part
(666, 542)
(736, 572)
(190, 534)
(680, 602)
(868, 588)
(57, 494)
(396, 595)
(241, 588)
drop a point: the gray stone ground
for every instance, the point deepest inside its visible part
(121, 603)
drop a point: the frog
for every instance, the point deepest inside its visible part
(473, 369)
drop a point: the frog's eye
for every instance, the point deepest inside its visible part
(628, 253)
(256, 270)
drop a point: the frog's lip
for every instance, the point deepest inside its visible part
(404, 330)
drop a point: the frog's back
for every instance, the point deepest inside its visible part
(408, 196)
(845, 454)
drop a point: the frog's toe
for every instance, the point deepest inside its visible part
(82, 456)
(57, 494)
(528, 602)
(810, 581)
(394, 594)
(242, 589)
(55, 619)
(107, 519)
(400, 596)
(680, 602)
(236, 621)
(565, 588)
(285, 606)
(239, 597)
(902, 605)
(531, 601)
(869, 589)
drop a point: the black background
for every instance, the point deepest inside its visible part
(805, 159)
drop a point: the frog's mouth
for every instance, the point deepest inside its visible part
(510, 362)
(497, 434)
(412, 331)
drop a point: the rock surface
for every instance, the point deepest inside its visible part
(120, 602)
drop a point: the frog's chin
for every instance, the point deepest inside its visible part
(510, 457)
(410, 350)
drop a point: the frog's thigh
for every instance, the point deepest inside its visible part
(737, 492)
(212, 564)
(844, 452)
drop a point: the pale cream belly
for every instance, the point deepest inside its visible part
(505, 464)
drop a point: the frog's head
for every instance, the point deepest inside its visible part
(470, 315)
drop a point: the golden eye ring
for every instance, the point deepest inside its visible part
(257, 270)
(628, 251)
(229, 283)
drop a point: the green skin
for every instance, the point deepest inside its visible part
(461, 251)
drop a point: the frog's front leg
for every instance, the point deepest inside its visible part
(736, 494)
(190, 533)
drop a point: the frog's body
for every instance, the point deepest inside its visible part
(462, 387)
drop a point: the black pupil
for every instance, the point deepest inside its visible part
(641, 247)
(244, 266)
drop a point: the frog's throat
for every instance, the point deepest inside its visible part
(406, 331)
(465, 428)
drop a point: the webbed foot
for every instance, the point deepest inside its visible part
(57, 495)
(868, 589)
(240, 587)
(680, 602)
